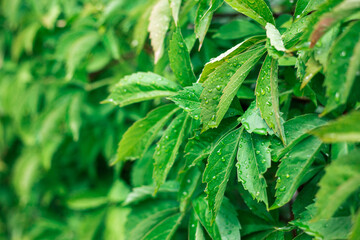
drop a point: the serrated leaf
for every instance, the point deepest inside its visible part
(292, 169)
(344, 129)
(253, 159)
(175, 8)
(159, 20)
(180, 59)
(137, 139)
(189, 100)
(275, 37)
(296, 129)
(224, 57)
(139, 87)
(200, 146)
(222, 85)
(341, 179)
(218, 168)
(257, 10)
(253, 123)
(196, 231)
(303, 7)
(293, 34)
(267, 96)
(167, 148)
(226, 225)
(164, 229)
(203, 17)
(343, 67)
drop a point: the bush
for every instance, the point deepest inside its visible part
(242, 116)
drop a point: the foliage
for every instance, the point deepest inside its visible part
(233, 119)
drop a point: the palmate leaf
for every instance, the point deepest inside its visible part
(139, 87)
(142, 133)
(226, 225)
(232, 52)
(218, 168)
(200, 146)
(344, 129)
(203, 17)
(257, 10)
(189, 100)
(342, 178)
(343, 67)
(222, 85)
(168, 148)
(160, 17)
(180, 59)
(253, 159)
(267, 96)
(293, 168)
(296, 129)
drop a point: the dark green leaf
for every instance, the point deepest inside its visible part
(238, 28)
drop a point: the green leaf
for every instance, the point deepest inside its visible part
(293, 34)
(139, 87)
(226, 56)
(341, 179)
(112, 44)
(344, 129)
(189, 100)
(293, 168)
(196, 231)
(188, 185)
(115, 223)
(226, 225)
(200, 146)
(253, 159)
(142, 133)
(218, 168)
(275, 37)
(175, 8)
(164, 229)
(296, 129)
(222, 85)
(252, 121)
(159, 20)
(238, 28)
(303, 7)
(167, 148)
(343, 67)
(355, 231)
(312, 68)
(203, 17)
(141, 30)
(257, 10)
(180, 60)
(267, 96)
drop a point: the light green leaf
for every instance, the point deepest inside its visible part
(218, 168)
(343, 67)
(222, 85)
(203, 17)
(180, 60)
(160, 17)
(168, 147)
(293, 168)
(257, 10)
(303, 7)
(112, 44)
(312, 68)
(189, 100)
(115, 223)
(253, 159)
(267, 96)
(344, 129)
(296, 129)
(293, 34)
(175, 8)
(137, 139)
(196, 231)
(164, 229)
(275, 37)
(139, 87)
(141, 30)
(226, 56)
(200, 146)
(189, 183)
(226, 225)
(341, 179)
(253, 123)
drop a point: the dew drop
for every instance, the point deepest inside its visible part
(262, 92)
(287, 175)
(207, 102)
(218, 87)
(343, 53)
(218, 152)
(196, 117)
(210, 90)
(257, 152)
(268, 103)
